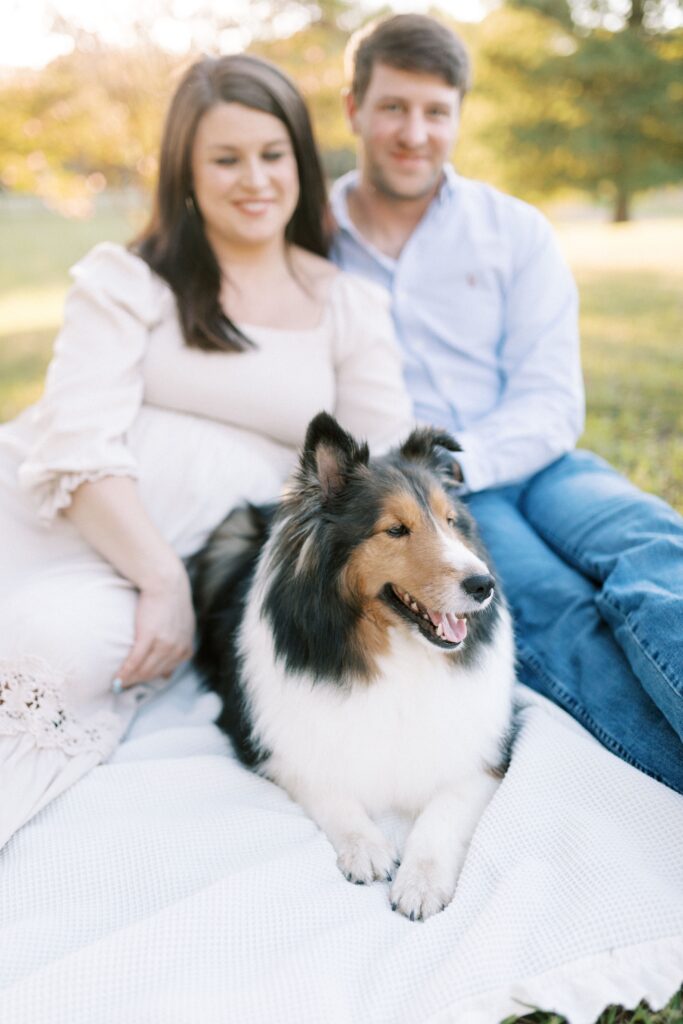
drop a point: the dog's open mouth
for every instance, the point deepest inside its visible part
(445, 629)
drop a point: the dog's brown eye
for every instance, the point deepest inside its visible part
(398, 531)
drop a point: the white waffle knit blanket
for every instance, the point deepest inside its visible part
(172, 886)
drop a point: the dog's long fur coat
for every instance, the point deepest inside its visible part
(364, 655)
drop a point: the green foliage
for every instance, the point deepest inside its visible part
(557, 104)
(672, 1013)
(566, 106)
(87, 121)
(569, 94)
(314, 58)
(92, 119)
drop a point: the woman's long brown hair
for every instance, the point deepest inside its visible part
(174, 243)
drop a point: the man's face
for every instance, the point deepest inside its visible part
(407, 124)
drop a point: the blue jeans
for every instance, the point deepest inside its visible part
(593, 571)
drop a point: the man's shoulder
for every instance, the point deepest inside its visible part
(498, 209)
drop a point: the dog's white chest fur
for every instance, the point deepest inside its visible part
(424, 725)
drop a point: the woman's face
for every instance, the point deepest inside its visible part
(245, 178)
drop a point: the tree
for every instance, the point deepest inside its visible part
(582, 96)
(93, 117)
(314, 59)
(89, 120)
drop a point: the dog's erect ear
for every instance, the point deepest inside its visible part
(331, 454)
(424, 443)
(429, 445)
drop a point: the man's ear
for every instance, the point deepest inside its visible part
(350, 109)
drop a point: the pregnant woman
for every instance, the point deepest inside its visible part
(182, 382)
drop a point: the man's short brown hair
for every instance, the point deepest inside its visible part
(409, 42)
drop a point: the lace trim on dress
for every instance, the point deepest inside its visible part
(32, 701)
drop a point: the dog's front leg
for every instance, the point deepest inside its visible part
(364, 854)
(436, 848)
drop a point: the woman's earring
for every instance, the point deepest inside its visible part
(190, 204)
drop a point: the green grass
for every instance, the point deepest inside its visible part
(633, 366)
(672, 1013)
(630, 279)
(38, 247)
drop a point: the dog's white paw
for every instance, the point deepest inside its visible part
(363, 860)
(422, 888)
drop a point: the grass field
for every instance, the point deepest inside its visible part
(631, 283)
(630, 279)
(672, 1013)
(37, 250)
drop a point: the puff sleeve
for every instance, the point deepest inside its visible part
(94, 384)
(372, 400)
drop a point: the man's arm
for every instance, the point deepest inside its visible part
(540, 413)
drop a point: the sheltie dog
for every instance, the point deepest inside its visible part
(364, 655)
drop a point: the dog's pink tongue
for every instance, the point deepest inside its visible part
(454, 629)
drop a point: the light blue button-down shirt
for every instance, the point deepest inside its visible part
(485, 309)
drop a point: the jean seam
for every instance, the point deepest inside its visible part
(650, 656)
(584, 718)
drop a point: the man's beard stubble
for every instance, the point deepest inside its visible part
(380, 183)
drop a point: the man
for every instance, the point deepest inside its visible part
(486, 311)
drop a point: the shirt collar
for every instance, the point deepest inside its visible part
(340, 211)
(449, 184)
(338, 200)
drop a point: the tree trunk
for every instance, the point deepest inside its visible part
(637, 14)
(622, 210)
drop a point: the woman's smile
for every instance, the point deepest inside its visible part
(254, 207)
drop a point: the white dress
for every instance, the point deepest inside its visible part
(201, 431)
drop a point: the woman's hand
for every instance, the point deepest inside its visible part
(111, 517)
(164, 631)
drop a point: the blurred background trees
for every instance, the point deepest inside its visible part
(569, 95)
(585, 95)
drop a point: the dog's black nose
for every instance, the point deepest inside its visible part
(478, 587)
